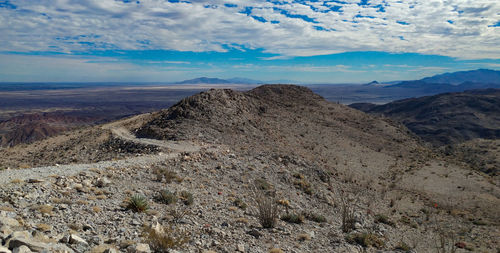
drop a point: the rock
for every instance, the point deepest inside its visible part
(35, 180)
(4, 250)
(22, 249)
(4, 232)
(139, 248)
(7, 221)
(74, 239)
(110, 250)
(65, 239)
(255, 233)
(461, 245)
(103, 182)
(29, 242)
(240, 247)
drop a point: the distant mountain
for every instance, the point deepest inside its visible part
(446, 118)
(453, 82)
(207, 80)
(472, 76)
(240, 80)
(371, 83)
(204, 80)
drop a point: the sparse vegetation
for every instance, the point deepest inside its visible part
(167, 197)
(137, 203)
(315, 217)
(163, 238)
(380, 218)
(240, 203)
(304, 185)
(348, 219)
(267, 210)
(293, 218)
(262, 184)
(365, 240)
(186, 198)
(166, 174)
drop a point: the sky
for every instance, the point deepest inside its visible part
(344, 41)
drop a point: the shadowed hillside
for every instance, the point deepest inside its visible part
(446, 118)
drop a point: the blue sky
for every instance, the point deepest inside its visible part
(306, 41)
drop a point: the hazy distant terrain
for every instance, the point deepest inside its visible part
(33, 111)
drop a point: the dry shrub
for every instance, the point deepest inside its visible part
(267, 208)
(347, 211)
(43, 227)
(47, 209)
(163, 238)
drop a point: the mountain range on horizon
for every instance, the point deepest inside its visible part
(484, 76)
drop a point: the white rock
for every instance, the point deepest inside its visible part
(74, 239)
(6, 221)
(139, 248)
(240, 247)
(4, 250)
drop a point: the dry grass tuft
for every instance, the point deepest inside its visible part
(162, 238)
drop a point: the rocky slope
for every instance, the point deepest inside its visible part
(341, 180)
(446, 118)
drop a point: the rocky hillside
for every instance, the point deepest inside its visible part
(446, 118)
(28, 128)
(277, 169)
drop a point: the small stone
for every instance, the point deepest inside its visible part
(22, 249)
(240, 247)
(35, 180)
(74, 239)
(103, 182)
(140, 248)
(255, 233)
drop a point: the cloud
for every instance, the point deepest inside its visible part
(456, 28)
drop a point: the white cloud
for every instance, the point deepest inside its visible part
(457, 28)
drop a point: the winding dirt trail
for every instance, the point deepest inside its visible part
(118, 130)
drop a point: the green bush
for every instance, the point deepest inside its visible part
(137, 203)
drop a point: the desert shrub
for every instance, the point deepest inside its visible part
(293, 218)
(186, 197)
(348, 218)
(402, 246)
(267, 210)
(365, 240)
(178, 214)
(315, 217)
(304, 185)
(167, 197)
(240, 203)
(168, 175)
(380, 218)
(262, 184)
(137, 203)
(164, 238)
